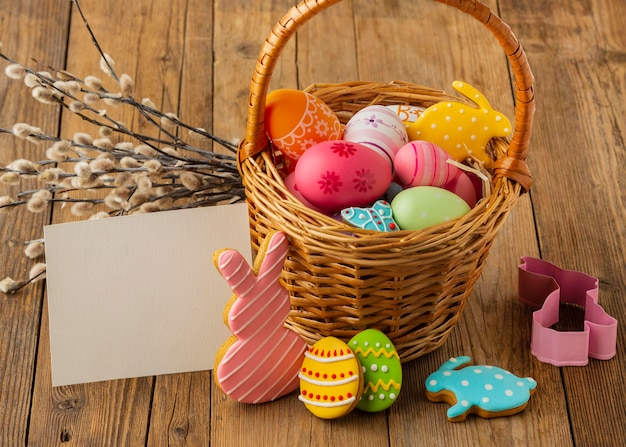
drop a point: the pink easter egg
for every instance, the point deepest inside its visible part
(290, 184)
(338, 174)
(420, 163)
(463, 187)
(478, 185)
(378, 128)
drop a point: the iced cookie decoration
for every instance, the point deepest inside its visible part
(378, 128)
(260, 361)
(460, 129)
(407, 113)
(296, 120)
(331, 382)
(486, 391)
(382, 371)
(378, 217)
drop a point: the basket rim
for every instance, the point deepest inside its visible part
(512, 166)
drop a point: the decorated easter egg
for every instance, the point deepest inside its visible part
(338, 174)
(382, 371)
(423, 206)
(296, 120)
(378, 128)
(463, 187)
(331, 382)
(420, 163)
(290, 184)
(407, 113)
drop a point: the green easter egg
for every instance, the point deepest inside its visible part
(424, 206)
(382, 371)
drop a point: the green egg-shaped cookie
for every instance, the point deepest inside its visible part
(382, 371)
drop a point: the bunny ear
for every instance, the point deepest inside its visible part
(472, 94)
(268, 263)
(455, 363)
(271, 256)
(234, 268)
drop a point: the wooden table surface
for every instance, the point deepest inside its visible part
(195, 58)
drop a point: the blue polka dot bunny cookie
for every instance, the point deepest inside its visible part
(487, 391)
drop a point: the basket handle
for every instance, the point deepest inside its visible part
(512, 166)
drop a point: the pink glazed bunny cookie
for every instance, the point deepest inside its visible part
(261, 360)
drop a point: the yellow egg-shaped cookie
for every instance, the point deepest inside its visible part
(331, 381)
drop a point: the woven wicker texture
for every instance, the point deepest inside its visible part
(410, 284)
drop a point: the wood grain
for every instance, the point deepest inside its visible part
(195, 58)
(578, 198)
(39, 30)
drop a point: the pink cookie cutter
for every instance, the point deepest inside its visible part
(544, 285)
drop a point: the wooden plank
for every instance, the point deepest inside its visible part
(115, 412)
(578, 59)
(326, 47)
(181, 410)
(181, 407)
(195, 105)
(27, 29)
(240, 29)
(150, 49)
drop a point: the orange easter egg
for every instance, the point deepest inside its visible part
(296, 120)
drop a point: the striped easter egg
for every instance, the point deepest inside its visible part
(421, 163)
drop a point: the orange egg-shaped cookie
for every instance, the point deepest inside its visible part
(331, 380)
(296, 120)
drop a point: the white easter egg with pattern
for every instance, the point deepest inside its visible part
(378, 128)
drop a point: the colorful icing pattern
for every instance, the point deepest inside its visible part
(260, 362)
(330, 379)
(382, 371)
(487, 391)
(378, 217)
(460, 129)
(318, 123)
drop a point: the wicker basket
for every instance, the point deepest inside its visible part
(412, 285)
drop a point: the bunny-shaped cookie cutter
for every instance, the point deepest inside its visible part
(460, 129)
(545, 286)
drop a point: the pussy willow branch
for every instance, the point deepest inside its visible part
(94, 40)
(169, 174)
(139, 106)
